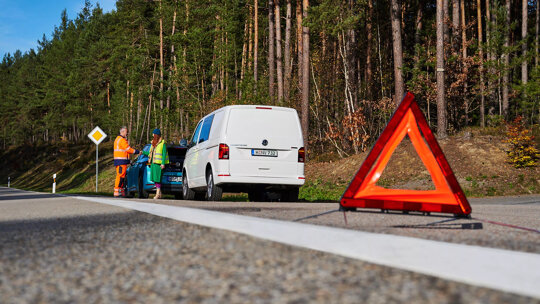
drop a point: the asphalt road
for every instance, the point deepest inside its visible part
(62, 249)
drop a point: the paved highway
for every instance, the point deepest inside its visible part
(67, 249)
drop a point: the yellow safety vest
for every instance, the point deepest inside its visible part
(157, 154)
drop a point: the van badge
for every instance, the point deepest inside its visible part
(265, 142)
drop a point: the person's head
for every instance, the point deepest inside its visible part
(156, 136)
(123, 131)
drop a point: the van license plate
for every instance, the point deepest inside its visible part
(175, 178)
(270, 153)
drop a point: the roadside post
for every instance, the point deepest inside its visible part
(8, 181)
(97, 136)
(54, 183)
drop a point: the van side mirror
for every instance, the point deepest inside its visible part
(183, 142)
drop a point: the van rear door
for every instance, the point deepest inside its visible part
(263, 141)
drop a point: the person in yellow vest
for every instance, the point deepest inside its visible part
(157, 159)
(122, 150)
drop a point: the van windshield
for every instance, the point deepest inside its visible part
(253, 125)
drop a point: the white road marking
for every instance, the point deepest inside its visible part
(510, 271)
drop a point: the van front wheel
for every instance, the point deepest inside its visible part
(187, 193)
(213, 192)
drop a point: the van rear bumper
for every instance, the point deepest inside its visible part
(289, 181)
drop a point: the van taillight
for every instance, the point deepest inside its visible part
(223, 151)
(301, 155)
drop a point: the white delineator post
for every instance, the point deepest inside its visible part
(8, 181)
(54, 183)
(97, 136)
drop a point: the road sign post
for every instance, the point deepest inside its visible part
(97, 136)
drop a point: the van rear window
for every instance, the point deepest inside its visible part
(256, 122)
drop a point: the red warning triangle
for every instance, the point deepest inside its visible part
(448, 197)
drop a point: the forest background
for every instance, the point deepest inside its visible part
(343, 64)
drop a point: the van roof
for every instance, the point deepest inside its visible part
(252, 107)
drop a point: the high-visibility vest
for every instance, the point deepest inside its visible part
(122, 151)
(157, 154)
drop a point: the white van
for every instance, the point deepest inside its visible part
(246, 148)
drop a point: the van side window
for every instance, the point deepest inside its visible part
(196, 134)
(205, 130)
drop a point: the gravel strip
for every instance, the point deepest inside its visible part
(135, 257)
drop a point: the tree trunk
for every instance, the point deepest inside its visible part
(127, 96)
(441, 102)
(130, 115)
(299, 43)
(244, 53)
(488, 30)
(524, 21)
(172, 68)
(455, 26)
(108, 97)
(350, 46)
(506, 62)
(481, 55)
(305, 76)
(160, 66)
(288, 62)
(418, 29)
(397, 49)
(279, 60)
(250, 40)
(464, 55)
(369, 30)
(271, 55)
(446, 20)
(463, 29)
(256, 45)
(488, 51)
(139, 109)
(150, 103)
(537, 28)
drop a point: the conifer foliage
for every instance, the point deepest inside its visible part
(167, 63)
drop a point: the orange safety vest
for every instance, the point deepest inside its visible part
(122, 151)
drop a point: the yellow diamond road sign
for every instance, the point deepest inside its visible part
(97, 135)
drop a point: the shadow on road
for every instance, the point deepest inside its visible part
(70, 225)
(445, 225)
(24, 195)
(8, 194)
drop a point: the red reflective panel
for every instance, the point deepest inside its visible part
(448, 197)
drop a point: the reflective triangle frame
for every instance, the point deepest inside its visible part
(448, 197)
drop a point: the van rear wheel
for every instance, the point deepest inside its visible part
(213, 192)
(187, 193)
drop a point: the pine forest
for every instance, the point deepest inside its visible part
(343, 64)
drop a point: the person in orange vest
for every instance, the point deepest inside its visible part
(122, 150)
